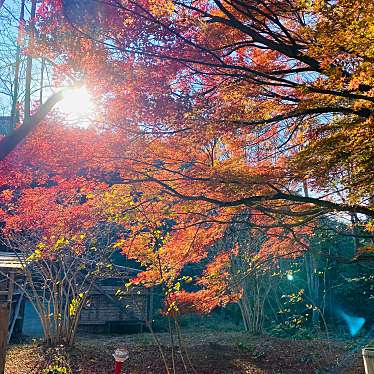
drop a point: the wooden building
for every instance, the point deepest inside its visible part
(110, 312)
(106, 312)
(11, 300)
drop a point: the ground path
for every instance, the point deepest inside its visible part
(210, 352)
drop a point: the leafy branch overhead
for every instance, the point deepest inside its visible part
(209, 115)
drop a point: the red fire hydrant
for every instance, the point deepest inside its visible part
(120, 356)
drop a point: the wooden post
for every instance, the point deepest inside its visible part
(6, 292)
(4, 316)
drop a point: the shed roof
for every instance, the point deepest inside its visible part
(10, 261)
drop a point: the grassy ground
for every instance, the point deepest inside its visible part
(210, 352)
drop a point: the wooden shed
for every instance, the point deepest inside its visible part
(110, 312)
(11, 300)
(107, 310)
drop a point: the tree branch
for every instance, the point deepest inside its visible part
(252, 200)
(8, 143)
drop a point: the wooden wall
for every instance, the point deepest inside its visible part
(105, 306)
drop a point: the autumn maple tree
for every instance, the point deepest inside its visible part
(210, 114)
(257, 84)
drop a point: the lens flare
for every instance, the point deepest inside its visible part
(77, 106)
(354, 324)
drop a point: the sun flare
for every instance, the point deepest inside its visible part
(77, 104)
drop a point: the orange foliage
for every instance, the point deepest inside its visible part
(203, 119)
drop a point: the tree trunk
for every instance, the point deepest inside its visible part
(312, 285)
(29, 61)
(8, 143)
(14, 111)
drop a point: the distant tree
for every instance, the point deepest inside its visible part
(21, 80)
